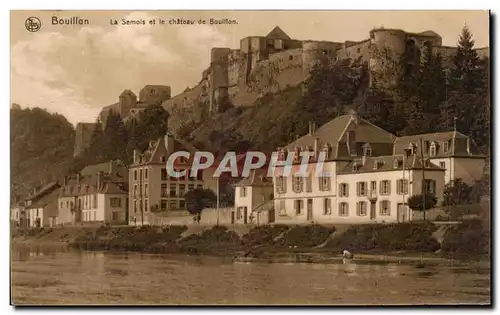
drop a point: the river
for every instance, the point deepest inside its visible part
(69, 277)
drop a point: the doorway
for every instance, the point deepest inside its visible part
(373, 210)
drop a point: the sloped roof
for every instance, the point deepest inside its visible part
(429, 33)
(387, 163)
(46, 199)
(105, 167)
(43, 191)
(277, 33)
(331, 132)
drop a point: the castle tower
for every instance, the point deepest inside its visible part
(127, 101)
(152, 94)
(317, 52)
(219, 78)
(387, 46)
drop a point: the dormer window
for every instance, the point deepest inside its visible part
(326, 149)
(396, 163)
(445, 147)
(355, 167)
(162, 159)
(432, 149)
(375, 165)
(411, 149)
(367, 150)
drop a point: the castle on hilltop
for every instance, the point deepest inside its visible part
(271, 63)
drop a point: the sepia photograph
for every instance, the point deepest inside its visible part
(320, 158)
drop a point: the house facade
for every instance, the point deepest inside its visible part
(152, 192)
(94, 198)
(40, 209)
(453, 151)
(253, 199)
(361, 179)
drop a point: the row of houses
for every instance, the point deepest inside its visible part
(373, 173)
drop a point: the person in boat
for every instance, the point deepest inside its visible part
(347, 254)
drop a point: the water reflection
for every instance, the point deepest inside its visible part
(133, 278)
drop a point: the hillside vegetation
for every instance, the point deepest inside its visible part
(41, 147)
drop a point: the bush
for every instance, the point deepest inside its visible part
(305, 236)
(469, 237)
(406, 236)
(263, 235)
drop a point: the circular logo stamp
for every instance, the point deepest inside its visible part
(33, 24)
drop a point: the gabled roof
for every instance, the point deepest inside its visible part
(43, 191)
(105, 167)
(333, 131)
(127, 92)
(157, 149)
(277, 33)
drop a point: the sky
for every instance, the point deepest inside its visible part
(75, 70)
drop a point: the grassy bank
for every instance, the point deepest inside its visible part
(467, 240)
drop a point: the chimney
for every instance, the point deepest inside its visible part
(363, 159)
(65, 180)
(78, 178)
(316, 146)
(111, 167)
(169, 142)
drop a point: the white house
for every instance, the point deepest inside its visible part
(101, 197)
(367, 182)
(253, 199)
(41, 208)
(452, 151)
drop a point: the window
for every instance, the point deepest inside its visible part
(115, 202)
(163, 174)
(344, 190)
(243, 192)
(373, 187)
(385, 187)
(115, 216)
(362, 188)
(182, 189)
(385, 207)
(135, 205)
(162, 159)
(280, 185)
(173, 190)
(445, 147)
(282, 210)
(367, 150)
(396, 163)
(239, 212)
(429, 186)
(61, 205)
(402, 187)
(140, 174)
(297, 184)
(290, 57)
(146, 205)
(95, 201)
(135, 174)
(327, 206)
(299, 206)
(172, 204)
(343, 209)
(361, 208)
(190, 186)
(324, 183)
(442, 165)
(355, 167)
(182, 204)
(146, 173)
(199, 186)
(163, 204)
(146, 190)
(135, 190)
(432, 149)
(164, 190)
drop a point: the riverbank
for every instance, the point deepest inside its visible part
(409, 243)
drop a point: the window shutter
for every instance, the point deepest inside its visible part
(388, 207)
(308, 183)
(357, 188)
(320, 183)
(380, 191)
(347, 190)
(388, 187)
(284, 183)
(327, 183)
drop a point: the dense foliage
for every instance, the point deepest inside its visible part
(199, 199)
(41, 146)
(406, 236)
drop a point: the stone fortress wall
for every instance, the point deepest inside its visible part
(271, 63)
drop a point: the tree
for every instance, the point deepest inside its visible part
(199, 199)
(465, 75)
(422, 202)
(457, 192)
